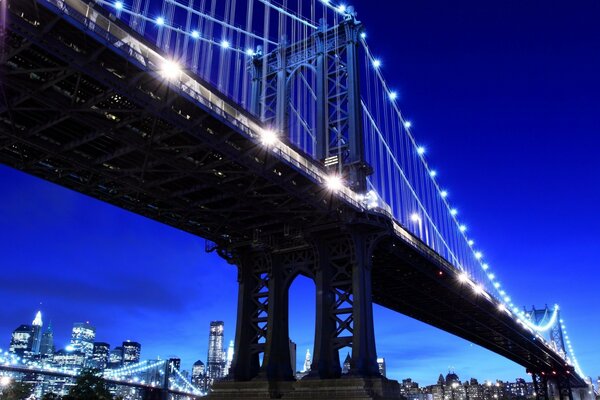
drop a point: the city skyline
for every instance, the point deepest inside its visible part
(501, 151)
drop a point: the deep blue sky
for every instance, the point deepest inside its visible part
(506, 97)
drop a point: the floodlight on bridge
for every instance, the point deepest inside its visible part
(376, 63)
(463, 277)
(444, 194)
(170, 70)
(334, 183)
(462, 228)
(342, 8)
(363, 35)
(478, 255)
(407, 125)
(268, 137)
(5, 381)
(160, 21)
(433, 173)
(478, 289)
(414, 217)
(250, 52)
(454, 212)
(225, 44)
(195, 34)
(485, 267)
(118, 5)
(393, 96)
(471, 242)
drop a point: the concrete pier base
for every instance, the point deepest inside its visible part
(347, 388)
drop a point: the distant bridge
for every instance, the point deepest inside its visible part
(270, 132)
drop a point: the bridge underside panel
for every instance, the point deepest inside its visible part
(76, 113)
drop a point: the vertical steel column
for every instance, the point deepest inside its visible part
(282, 108)
(245, 364)
(536, 388)
(321, 131)
(358, 168)
(276, 363)
(326, 360)
(364, 354)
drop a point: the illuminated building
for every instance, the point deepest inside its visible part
(69, 358)
(346, 366)
(131, 352)
(381, 365)
(115, 358)
(47, 342)
(199, 375)
(100, 355)
(82, 338)
(36, 331)
(21, 342)
(229, 358)
(215, 361)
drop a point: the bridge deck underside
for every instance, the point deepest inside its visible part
(79, 114)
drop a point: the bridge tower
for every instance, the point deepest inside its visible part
(549, 384)
(337, 258)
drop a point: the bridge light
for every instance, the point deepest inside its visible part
(195, 34)
(454, 212)
(225, 44)
(497, 285)
(463, 277)
(363, 35)
(407, 125)
(501, 307)
(118, 5)
(471, 242)
(444, 194)
(433, 173)
(160, 21)
(268, 137)
(414, 217)
(462, 228)
(393, 96)
(5, 381)
(342, 8)
(491, 277)
(485, 267)
(170, 70)
(376, 63)
(478, 255)
(334, 183)
(250, 52)
(478, 289)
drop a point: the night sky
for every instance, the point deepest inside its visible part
(504, 94)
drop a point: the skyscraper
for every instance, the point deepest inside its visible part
(347, 363)
(36, 331)
(82, 338)
(47, 342)
(381, 365)
(229, 358)
(115, 358)
(215, 363)
(307, 362)
(21, 342)
(131, 352)
(198, 375)
(100, 355)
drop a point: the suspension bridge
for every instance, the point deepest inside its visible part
(156, 379)
(269, 130)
